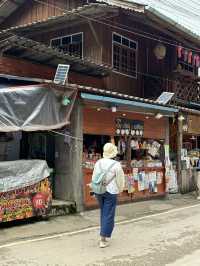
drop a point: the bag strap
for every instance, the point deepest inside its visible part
(109, 168)
(109, 181)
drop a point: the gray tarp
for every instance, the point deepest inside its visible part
(33, 108)
(22, 173)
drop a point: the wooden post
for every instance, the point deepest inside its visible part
(179, 149)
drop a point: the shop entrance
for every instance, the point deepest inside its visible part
(141, 143)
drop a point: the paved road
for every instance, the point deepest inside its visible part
(171, 239)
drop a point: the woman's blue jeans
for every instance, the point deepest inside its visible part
(107, 203)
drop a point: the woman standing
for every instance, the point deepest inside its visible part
(114, 185)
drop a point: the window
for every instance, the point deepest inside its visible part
(124, 55)
(70, 44)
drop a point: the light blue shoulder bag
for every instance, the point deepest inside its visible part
(98, 184)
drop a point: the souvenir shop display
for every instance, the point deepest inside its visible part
(141, 157)
(145, 167)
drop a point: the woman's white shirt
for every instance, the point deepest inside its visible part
(117, 184)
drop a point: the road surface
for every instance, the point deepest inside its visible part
(171, 238)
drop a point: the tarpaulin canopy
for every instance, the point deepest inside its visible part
(33, 108)
(22, 173)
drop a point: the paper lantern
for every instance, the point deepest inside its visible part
(160, 51)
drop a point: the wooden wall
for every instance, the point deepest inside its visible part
(91, 48)
(148, 65)
(103, 123)
(33, 11)
(99, 49)
(193, 125)
(24, 68)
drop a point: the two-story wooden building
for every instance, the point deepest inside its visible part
(122, 57)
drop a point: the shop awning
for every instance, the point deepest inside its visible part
(132, 105)
(34, 108)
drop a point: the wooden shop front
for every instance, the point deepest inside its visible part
(141, 140)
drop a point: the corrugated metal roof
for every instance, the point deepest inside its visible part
(185, 13)
(118, 95)
(89, 11)
(38, 52)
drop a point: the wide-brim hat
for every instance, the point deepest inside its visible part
(109, 151)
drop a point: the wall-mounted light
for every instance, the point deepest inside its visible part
(158, 116)
(65, 100)
(98, 109)
(181, 118)
(114, 109)
(124, 114)
(185, 127)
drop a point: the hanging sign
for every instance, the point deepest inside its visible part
(188, 56)
(126, 127)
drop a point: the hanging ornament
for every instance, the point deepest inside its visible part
(190, 57)
(160, 51)
(185, 55)
(196, 60)
(180, 51)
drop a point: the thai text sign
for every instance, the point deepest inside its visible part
(26, 202)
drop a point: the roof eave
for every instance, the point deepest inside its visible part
(151, 12)
(125, 5)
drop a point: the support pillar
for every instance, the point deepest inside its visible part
(69, 179)
(77, 154)
(179, 150)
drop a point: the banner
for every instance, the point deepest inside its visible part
(26, 202)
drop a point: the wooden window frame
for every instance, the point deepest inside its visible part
(129, 49)
(67, 36)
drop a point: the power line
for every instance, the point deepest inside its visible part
(66, 135)
(137, 72)
(175, 7)
(117, 27)
(118, 71)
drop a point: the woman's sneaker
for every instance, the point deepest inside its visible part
(103, 244)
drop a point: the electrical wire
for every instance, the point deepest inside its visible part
(176, 7)
(116, 27)
(118, 71)
(137, 72)
(65, 135)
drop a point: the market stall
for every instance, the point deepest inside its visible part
(25, 113)
(142, 145)
(190, 152)
(25, 190)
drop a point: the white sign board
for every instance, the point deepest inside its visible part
(61, 74)
(165, 97)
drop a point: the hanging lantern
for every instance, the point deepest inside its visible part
(160, 51)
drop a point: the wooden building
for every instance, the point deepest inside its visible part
(119, 50)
